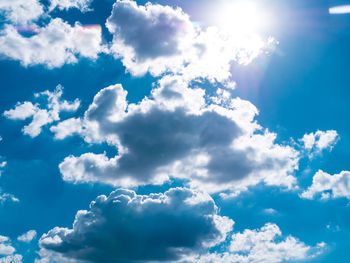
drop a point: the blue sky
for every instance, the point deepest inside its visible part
(201, 131)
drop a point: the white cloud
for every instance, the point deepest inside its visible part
(21, 11)
(176, 134)
(264, 245)
(328, 186)
(6, 197)
(82, 5)
(7, 251)
(162, 39)
(27, 237)
(126, 227)
(12, 259)
(270, 211)
(320, 140)
(3, 239)
(41, 117)
(22, 111)
(53, 45)
(3, 163)
(5, 246)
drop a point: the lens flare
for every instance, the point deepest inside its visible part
(338, 10)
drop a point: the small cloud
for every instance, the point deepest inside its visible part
(27, 237)
(42, 116)
(329, 186)
(82, 5)
(5, 197)
(315, 143)
(270, 211)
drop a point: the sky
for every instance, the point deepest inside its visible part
(174, 131)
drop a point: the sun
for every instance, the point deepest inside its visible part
(242, 17)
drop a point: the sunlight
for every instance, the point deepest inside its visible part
(241, 18)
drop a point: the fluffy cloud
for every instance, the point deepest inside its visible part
(320, 140)
(41, 117)
(327, 185)
(5, 197)
(7, 251)
(5, 246)
(264, 245)
(162, 39)
(20, 11)
(82, 5)
(126, 227)
(11, 259)
(145, 36)
(53, 45)
(176, 133)
(27, 237)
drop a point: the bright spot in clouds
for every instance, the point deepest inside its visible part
(242, 17)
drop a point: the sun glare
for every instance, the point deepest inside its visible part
(241, 18)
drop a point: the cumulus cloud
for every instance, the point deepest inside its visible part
(5, 246)
(176, 134)
(82, 5)
(7, 251)
(11, 259)
(20, 11)
(329, 186)
(41, 117)
(53, 45)
(27, 237)
(159, 39)
(264, 245)
(5, 197)
(126, 227)
(320, 140)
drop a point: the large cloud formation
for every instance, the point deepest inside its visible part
(126, 227)
(181, 225)
(176, 134)
(162, 39)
